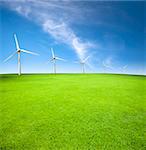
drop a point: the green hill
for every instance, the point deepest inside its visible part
(72, 112)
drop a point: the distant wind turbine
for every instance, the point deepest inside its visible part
(18, 51)
(83, 63)
(54, 58)
(123, 69)
(106, 66)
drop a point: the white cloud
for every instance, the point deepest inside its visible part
(80, 47)
(63, 33)
(23, 11)
(53, 18)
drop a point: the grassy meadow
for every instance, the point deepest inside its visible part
(72, 112)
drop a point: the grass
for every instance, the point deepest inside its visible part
(72, 112)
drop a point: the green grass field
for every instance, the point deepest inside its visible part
(72, 112)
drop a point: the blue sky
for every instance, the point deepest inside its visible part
(112, 33)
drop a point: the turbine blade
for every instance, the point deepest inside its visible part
(58, 58)
(124, 67)
(90, 66)
(16, 42)
(9, 57)
(52, 59)
(53, 55)
(86, 58)
(29, 52)
(107, 66)
(47, 62)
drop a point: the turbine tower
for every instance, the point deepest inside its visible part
(53, 59)
(18, 52)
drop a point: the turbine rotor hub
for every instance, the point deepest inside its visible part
(18, 51)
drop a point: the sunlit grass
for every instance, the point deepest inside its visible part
(68, 112)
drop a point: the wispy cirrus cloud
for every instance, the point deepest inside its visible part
(58, 18)
(53, 17)
(62, 32)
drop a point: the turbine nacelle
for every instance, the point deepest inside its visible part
(18, 51)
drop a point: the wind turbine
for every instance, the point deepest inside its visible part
(54, 58)
(105, 65)
(18, 51)
(123, 69)
(83, 63)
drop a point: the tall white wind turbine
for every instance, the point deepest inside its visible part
(83, 63)
(54, 58)
(18, 51)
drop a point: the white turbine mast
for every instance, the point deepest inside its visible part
(54, 59)
(18, 51)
